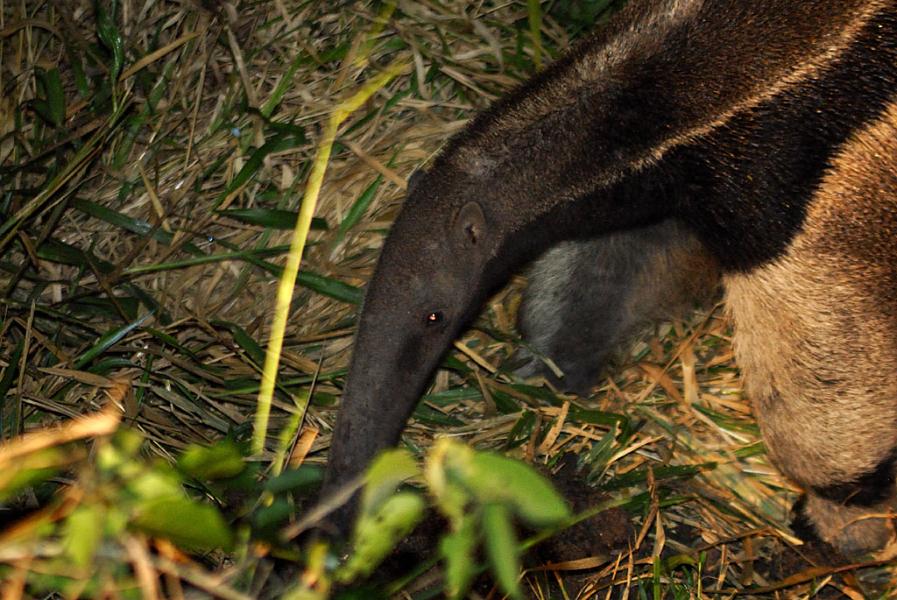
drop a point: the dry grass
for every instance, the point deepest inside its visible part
(223, 105)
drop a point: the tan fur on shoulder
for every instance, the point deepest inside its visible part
(816, 330)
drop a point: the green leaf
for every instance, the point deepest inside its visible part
(286, 81)
(104, 366)
(319, 283)
(453, 396)
(66, 254)
(109, 339)
(458, 548)
(431, 416)
(726, 422)
(543, 394)
(388, 471)
(457, 475)
(377, 534)
(501, 548)
(76, 65)
(55, 96)
(596, 417)
(271, 217)
(495, 478)
(185, 522)
(138, 226)
(245, 341)
(104, 308)
(534, 9)
(601, 452)
(82, 533)
(301, 479)
(172, 341)
(42, 108)
(149, 485)
(111, 38)
(660, 472)
(505, 404)
(674, 562)
(755, 449)
(357, 210)
(10, 375)
(221, 461)
(268, 519)
(330, 287)
(279, 143)
(33, 469)
(522, 429)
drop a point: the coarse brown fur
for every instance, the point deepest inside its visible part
(755, 139)
(817, 337)
(585, 298)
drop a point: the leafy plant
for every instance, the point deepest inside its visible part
(115, 500)
(481, 495)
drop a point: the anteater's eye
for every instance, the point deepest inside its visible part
(435, 318)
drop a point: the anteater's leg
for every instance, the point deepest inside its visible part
(586, 297)
(819, 365)
(816, 339)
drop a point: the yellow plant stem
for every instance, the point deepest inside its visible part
(297, 245)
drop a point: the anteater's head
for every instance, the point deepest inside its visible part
(435, 270)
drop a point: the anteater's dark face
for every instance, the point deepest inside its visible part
(427, 286)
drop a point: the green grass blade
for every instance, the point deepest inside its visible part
(357, 210)
(501, 548)
(271, 217)
(534, 14)
(9, 377)
(55, 96)
(279, 143)
(328, 286)
(108, 340)
(110, 37)
(73, 168)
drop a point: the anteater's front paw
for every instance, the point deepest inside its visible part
(854, 531)
(573, 377)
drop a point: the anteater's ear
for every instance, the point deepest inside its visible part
(469, 228)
